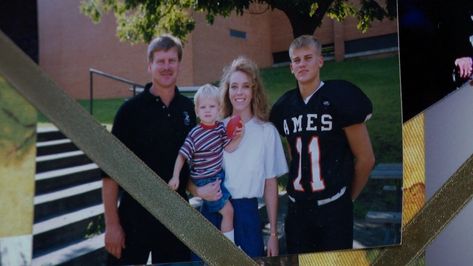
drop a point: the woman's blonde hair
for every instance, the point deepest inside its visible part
(259, 100)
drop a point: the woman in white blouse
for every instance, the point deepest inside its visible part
(251, 170)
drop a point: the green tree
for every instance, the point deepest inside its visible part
(141, 20)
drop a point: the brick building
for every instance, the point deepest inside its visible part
(70, 44)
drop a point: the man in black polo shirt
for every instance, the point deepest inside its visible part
(153, 125)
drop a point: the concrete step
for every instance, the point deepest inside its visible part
(58, 232)
(90, 251)
(54, 146)
(390, 220)
(68, 204)
(61, 160)
(67, 200)
(95, 257)
(388, 217)
(54, 180)
(387, 171)
(48, 134)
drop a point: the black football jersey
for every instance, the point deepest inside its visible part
(322, 161)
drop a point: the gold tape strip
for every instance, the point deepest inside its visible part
(430, 221)
(348, 257)
(113, 157)
(413, 168)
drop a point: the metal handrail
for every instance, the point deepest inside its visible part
(110, 76)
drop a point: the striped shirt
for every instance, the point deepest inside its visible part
(203, 149)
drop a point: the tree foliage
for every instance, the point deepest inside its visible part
(141, 20)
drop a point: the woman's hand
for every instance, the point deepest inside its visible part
(273, 246)
(239, 131)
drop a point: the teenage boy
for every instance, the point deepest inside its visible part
(331, 153)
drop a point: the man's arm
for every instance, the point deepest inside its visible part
(114, 235)
(360, 145)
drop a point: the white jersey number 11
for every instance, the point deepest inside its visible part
(316, 180)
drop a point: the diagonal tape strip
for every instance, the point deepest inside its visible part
(430, 221)
(113, 157)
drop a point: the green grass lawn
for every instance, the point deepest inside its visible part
(377, 77)
(103, 109)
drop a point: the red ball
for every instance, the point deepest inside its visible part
(234, 123)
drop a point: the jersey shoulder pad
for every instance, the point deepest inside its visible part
(287, 96)
(350, 102)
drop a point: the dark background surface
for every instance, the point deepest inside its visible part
(431, 35)
(19, 21)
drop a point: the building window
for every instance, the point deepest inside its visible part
(238, 34)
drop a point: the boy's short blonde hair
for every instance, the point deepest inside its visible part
(305, 41)
(208, 91)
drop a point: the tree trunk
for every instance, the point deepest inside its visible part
(301, 22)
